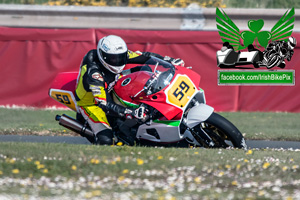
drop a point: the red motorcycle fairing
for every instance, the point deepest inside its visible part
(129, 90)
(130, 85)
(192, 74)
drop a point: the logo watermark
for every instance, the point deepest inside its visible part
(256, 77)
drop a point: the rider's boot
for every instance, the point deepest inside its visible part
(125, 129)
(104, 137)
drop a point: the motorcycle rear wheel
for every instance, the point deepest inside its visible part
(223, 133)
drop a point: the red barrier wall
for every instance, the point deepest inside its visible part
(31, 58)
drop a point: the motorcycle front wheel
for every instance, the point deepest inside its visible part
(222, 132)
(273, 61)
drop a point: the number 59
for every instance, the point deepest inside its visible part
(181, 91)
(63, 98)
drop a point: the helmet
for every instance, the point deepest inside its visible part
(112, 53)
(292, 42)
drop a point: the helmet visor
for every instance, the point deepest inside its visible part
(117, 60)
(293, 44)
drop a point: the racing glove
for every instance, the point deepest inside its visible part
(174, 61)
(139, 113)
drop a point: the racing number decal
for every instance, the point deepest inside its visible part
(181, 91)
(64, 97)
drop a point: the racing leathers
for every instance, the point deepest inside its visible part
(93, 83)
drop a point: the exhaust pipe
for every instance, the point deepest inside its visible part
(76, 126)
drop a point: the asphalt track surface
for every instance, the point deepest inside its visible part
(261, 144)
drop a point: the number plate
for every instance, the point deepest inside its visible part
(64, 97)
(181, 91)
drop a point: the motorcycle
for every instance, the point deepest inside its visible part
(274, 57)
(230, 59)
(177, 113)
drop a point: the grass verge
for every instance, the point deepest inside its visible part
(103, 172)
(266, 126)
(32, 122)
(256, 125)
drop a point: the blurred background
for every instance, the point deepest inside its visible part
(163, 3)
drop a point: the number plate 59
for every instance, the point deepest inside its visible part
(64, 97)
(181, 91)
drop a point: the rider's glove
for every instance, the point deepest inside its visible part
(174, 61)
(139, 113)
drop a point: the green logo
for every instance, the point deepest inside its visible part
(229, 32)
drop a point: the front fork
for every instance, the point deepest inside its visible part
(200, 136)
(199, 113)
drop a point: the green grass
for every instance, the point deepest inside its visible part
(256, 125)
(66, 171)
(86, 171)
(31, 121)
(266, 126)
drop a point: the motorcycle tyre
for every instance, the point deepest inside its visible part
(273, 62)
(228, 129)
(281, 65)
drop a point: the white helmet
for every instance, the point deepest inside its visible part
(112, 53)
(292, 43)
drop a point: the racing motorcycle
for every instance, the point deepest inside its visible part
(274, 57)
(177, 114)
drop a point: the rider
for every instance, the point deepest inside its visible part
(99, 71)
(286, 49)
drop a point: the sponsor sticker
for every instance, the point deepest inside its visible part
(97, 76)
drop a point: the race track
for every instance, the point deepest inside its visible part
(261, 144)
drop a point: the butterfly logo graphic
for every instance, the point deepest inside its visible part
(229, 32)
